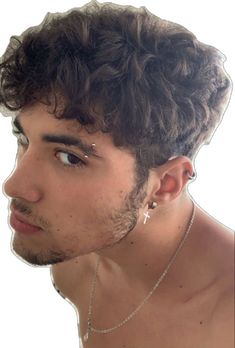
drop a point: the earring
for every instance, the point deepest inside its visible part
(153, 205)
(191, 177)
(146, 217)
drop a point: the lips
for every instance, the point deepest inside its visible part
(22, 218)
(22, 225)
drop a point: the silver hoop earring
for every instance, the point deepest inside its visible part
(191, 177)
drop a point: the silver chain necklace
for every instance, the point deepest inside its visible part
(91, 329)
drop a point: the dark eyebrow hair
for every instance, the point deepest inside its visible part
(70, 141)
(17, 124)
(64, 139)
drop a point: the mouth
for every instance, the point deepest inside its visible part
(22, 225)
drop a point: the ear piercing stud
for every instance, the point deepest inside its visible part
(153, 205)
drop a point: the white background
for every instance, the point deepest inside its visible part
(31, 312)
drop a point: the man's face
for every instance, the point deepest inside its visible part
(84, 200)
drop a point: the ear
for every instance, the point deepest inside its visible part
(172, 178)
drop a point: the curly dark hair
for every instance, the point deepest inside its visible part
(148, 82)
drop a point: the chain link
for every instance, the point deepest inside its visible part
(91, 329)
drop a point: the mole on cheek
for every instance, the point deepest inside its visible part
(121, 192)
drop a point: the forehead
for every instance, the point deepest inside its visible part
(39, 118)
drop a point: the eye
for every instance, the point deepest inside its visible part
(68, 159)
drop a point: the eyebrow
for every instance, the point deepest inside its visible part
(64, 139)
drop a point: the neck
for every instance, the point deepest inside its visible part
(146, 250)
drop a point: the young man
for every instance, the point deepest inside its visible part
(110, 107)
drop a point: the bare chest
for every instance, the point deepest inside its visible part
(159, 323)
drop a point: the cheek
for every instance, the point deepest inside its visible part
(86, 203)
(76, 209)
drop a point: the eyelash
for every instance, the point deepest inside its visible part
(80, 163)
(70, 166)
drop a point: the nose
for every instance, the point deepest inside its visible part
(24, 181)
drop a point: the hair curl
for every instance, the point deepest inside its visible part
(159, 91)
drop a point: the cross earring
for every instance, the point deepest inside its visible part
(152, 205)
(147, 216)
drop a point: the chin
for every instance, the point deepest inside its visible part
(38, 258)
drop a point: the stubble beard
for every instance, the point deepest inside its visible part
(122, 222)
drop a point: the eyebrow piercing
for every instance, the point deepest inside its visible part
(93, 145)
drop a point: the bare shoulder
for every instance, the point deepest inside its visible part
(219, 246)
(70, 276)
(218, 241)
(222, 323)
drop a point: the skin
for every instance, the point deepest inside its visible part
(94, 210)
